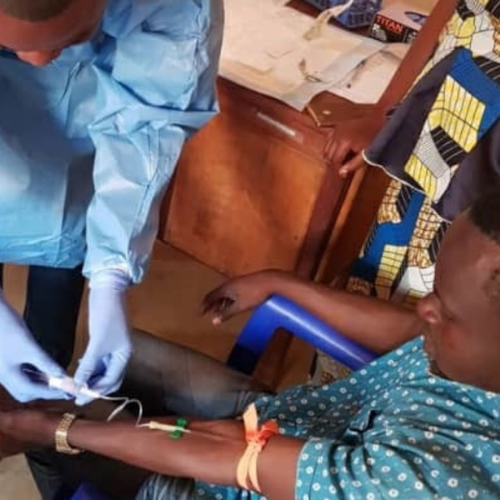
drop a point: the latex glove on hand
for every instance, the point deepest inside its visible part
(103, 365)
(18, 348)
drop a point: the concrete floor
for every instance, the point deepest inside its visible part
(167, 304)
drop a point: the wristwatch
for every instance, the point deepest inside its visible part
(61, 436)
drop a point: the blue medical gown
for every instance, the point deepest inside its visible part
(89, 143)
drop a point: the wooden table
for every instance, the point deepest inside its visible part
(247, 185)
(252, 190)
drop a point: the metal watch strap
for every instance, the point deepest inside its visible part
(61, 436)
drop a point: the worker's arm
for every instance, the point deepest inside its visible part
(355, 135)
(158, 92)
(377, 324)
(152, 95)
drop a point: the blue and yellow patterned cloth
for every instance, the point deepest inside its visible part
(392, 430)
(400, 254)
(467, 105)
(442, 148)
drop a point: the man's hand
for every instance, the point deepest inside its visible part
(109, 349)
(30, 426)
(351, 138)
(241, 294)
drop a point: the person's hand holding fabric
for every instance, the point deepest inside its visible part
(18, 348)
(108, 352)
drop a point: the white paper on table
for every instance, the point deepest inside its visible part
(367, 83)
(265, 50)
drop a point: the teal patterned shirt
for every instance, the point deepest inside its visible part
(391, 430)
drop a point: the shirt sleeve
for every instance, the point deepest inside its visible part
(158, 90)
(378, 470)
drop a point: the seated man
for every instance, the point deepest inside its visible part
(421, 422)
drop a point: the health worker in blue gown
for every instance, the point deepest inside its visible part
(97, 99)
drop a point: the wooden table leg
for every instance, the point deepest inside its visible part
(270, 368)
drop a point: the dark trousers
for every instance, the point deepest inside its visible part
(52, 305)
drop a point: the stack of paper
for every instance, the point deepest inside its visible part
(366, 83)
(269, 48)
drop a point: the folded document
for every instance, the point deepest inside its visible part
(288, 55)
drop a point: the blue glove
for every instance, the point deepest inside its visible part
(18, 347)
(109, 349)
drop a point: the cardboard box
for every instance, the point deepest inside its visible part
(398, 23)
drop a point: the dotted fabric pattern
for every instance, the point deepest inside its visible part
(391, 430)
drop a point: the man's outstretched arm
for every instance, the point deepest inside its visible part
(210, 453)
(376, 324)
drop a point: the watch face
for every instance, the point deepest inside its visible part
(416, 17)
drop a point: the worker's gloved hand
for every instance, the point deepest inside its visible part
(17, 348)
(108, 352)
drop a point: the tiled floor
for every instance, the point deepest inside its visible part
(167, 305)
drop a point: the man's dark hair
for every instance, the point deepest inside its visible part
(485, 215)
(34, 10)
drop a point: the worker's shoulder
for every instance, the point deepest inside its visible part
(125, 16)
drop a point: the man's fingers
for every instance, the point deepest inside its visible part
(341, 153)
(331, 147)
(337, 151)
(210, 300)
(352, 165)
(226, 311)
(218, 303)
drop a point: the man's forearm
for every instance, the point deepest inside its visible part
(201, 455)
(376, 324)
(206, 454)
